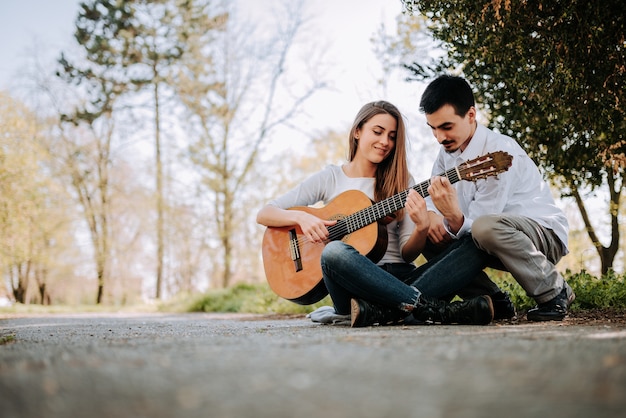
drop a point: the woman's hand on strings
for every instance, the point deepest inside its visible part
(314, 229)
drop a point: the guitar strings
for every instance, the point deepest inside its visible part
(364, 216)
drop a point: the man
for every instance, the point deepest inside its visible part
(513, 217)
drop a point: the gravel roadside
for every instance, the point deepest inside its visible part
(217, 365)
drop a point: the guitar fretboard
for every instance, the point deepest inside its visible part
(385, 207)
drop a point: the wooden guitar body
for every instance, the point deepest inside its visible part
(300, 280)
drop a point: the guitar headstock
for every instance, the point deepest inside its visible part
(485, 166)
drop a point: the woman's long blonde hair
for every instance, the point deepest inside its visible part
(392, 174)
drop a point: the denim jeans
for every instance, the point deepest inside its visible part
(349, 274)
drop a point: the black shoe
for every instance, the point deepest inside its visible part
(476, 311)
(503, 308)
(552, 310)
(364, 314)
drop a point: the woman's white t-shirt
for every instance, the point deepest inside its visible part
(327, 184)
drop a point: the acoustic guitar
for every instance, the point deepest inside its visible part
(292, 262)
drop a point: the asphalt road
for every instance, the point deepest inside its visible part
(208, 365)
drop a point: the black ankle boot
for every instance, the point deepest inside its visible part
(365, 314)
(552, 310)
(503, 308)
(476, 311)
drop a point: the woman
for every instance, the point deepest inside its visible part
(386, 291)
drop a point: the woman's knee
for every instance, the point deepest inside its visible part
(334, 251)
(337, 257)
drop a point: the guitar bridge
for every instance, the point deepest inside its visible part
(294, 248)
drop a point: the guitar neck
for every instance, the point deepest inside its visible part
(385, 207)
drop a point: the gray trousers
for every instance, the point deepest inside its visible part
(525, 249)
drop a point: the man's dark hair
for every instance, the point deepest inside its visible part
(447, 90)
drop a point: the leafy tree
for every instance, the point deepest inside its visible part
(84, 148)
(32, 221)
(236, 90)
(85, 158)
(132, 46)
(551, 74)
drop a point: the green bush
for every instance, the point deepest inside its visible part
(608, 291)
(250, 298)
(591, 292)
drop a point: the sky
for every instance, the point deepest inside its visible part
(44, 28)
(26, 24)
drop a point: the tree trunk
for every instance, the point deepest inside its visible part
(100, 286)
(606, 254)
(40, 278)
(19, 291)
(159, 191)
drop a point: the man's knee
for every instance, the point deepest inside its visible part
(484, 231)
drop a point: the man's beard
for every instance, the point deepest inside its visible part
(449, 150)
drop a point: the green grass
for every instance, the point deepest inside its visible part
(607, 292)
(6, 339)
(591, 293)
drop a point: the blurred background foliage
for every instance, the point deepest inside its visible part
(131, 169)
